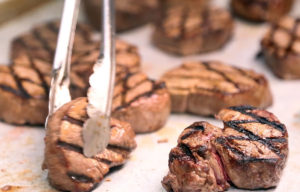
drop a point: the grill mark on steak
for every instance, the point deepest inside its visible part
(243, 157)
(43, 41)
(33, 66)
(253, 137)
(192, 132)
(207, 65)
(116, 147)
(73, 120)
(234, 154)
(221, 72)
(262, 120)
(186, 150)
(22, 91)
(70, 147)
(79, 177)
(195, 128)
(12, 90)
(124, 81)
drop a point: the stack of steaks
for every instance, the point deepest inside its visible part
(250, 152)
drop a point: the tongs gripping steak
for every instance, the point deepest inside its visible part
(68, 168)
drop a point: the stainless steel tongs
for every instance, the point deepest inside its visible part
(96, 130)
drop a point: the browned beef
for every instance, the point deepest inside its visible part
(250, 152)
(129, 13)
(281, 48)
(261, 10)
(24, 85)
(68, 168)
(184, 30)
(205, 88)
(253, 147)
(142, 102)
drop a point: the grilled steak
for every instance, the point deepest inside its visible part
(281, 48)
(253, 147)
(205, 88)
(68, 168)
(194, 164)
(142, 102)
(23, 96)
(129, 13)
(185, 30)
(250, 152)
(261, 10)
(24, 86)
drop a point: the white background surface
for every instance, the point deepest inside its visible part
(21, 148)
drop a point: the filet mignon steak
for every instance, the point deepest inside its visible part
(250, 152)
(68, 168)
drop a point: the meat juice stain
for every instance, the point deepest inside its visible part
(10, 188)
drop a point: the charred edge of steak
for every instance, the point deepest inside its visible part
(195, 128)
(263, 4)
(155, 87)
(79, 178)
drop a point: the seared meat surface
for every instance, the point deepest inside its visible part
(281, 48)
(24, 85)
(194, 164)
(205, 88)
(68, 168)
(129, 13)
(185, 30)
(142, 102)
(261, 10)
(250, 152)
(23, 96)
(253, 147)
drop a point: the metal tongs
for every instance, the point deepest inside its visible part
(96, 130)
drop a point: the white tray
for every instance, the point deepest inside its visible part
(21, 148)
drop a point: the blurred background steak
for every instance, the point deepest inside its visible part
(281, 48)
(142, 102)
(204, 88)
(185, 29)
(261, 10)
(25, 84)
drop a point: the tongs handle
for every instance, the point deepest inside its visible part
(107, 50)
(59, 90)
